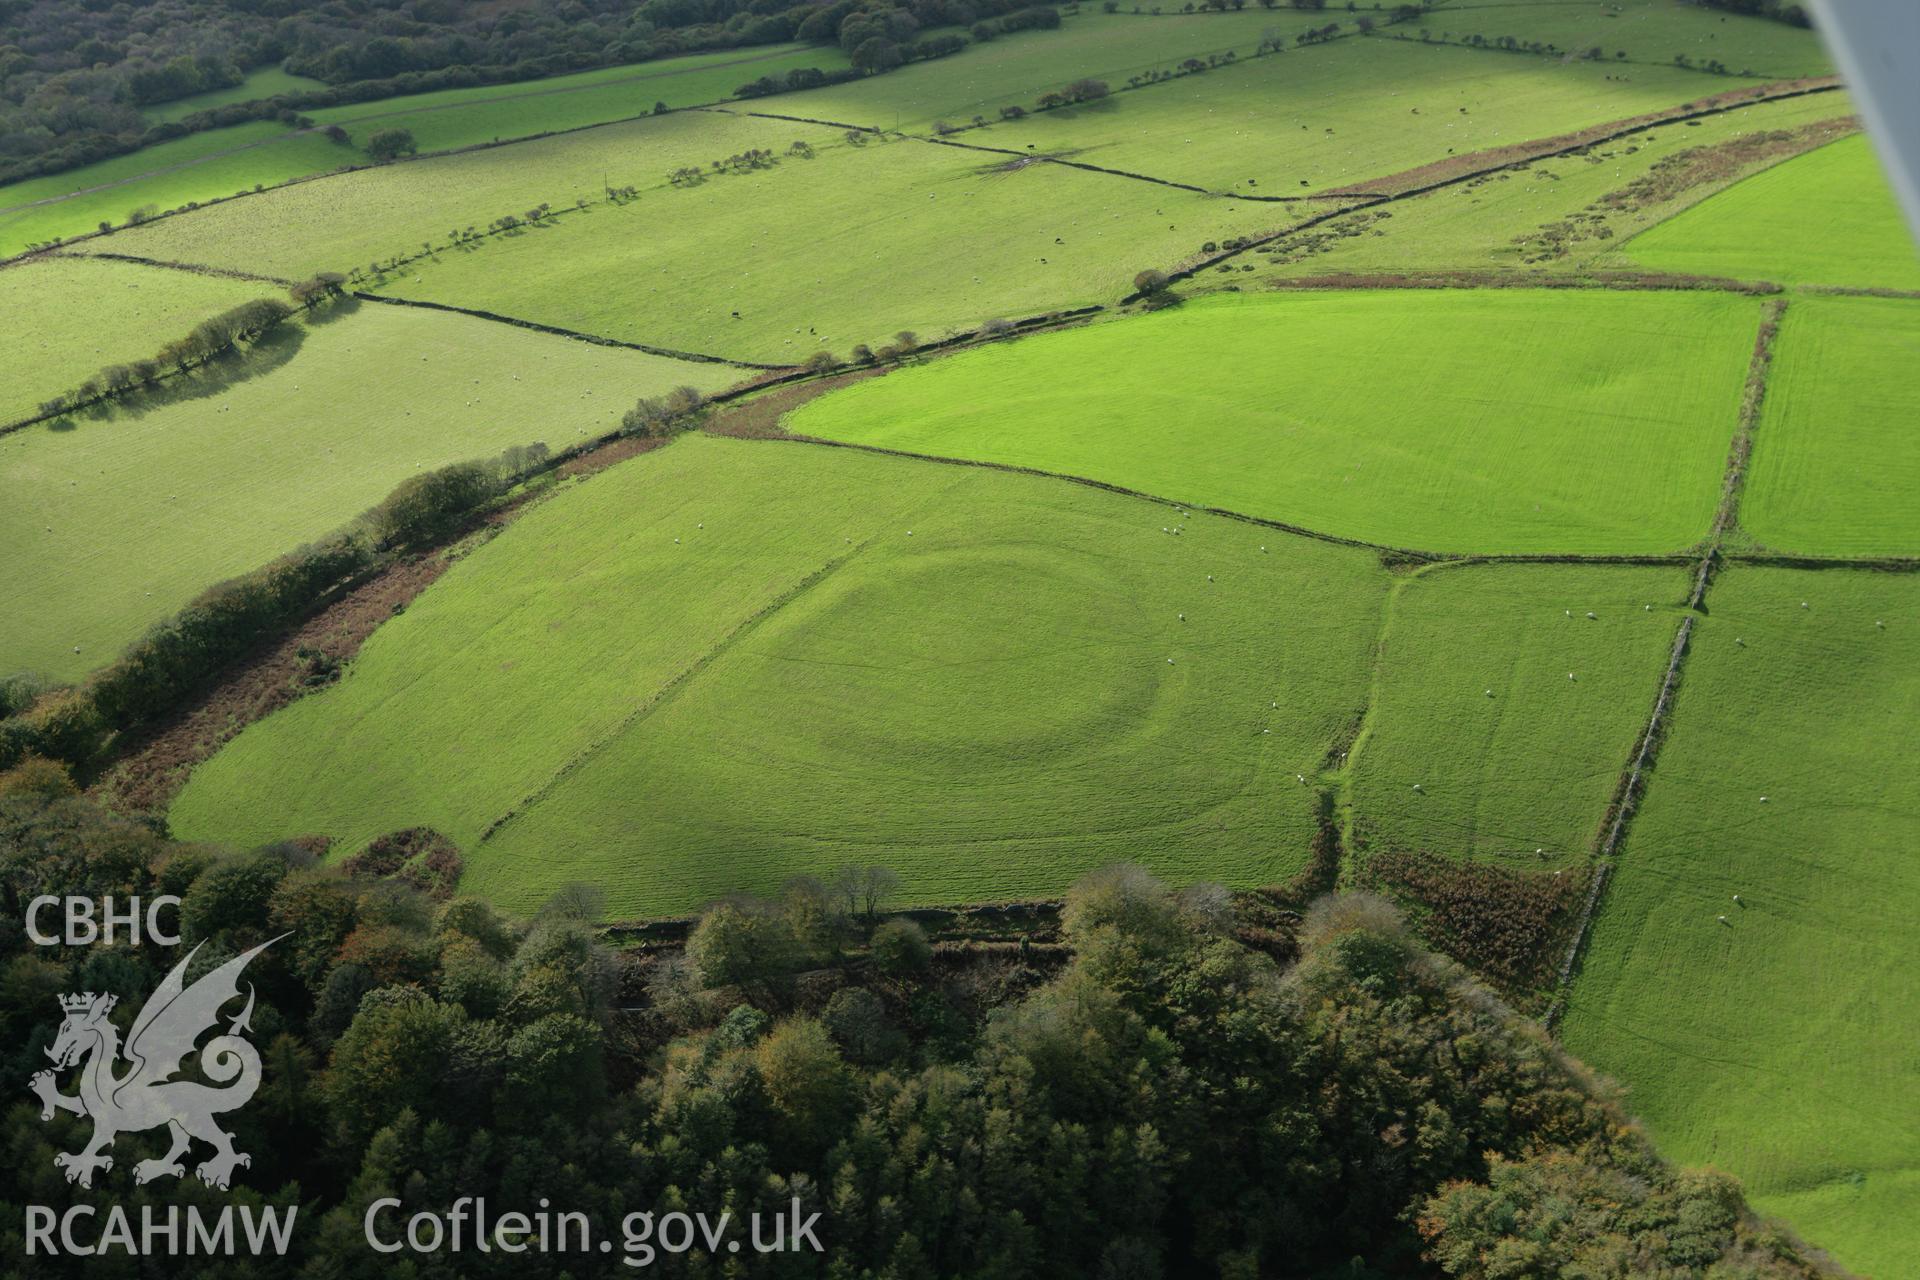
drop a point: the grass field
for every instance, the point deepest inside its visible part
(266, 82)
(1646, 31)
(848, 247)
(124, 520)
(1825, 218)
(1779, 1045)
(109, 313)
(1331, 115)
(843, 659)
(1500, 221)
(1835, 461)
(350, 220)
(1471, 703)
(218, 162)
(1013, 70)
(463, 117)
(1372, 415)
(199, 167)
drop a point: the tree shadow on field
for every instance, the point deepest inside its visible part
(272, 351)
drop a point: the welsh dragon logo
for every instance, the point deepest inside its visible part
(147, 1096)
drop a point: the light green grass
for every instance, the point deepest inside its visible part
(1836, 462)
(1515, 762)
(1332, 115)
(1779, 1046)
(113, 524)
(1824, 218)
(196, 168)
(63, 319)
(848, 247)
(1648, 31)
(1487, 223)
(452, 118)
(1602, 427)
(349, 220)
(218, 162)
(957, 672)
(266, 82)
(1016, 69)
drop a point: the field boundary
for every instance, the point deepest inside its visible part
(1492, 278)
(1406, 554)
(598, 340)
(667, 692)
(1750, 97)
(1633, 783)
(1752, 397)
(1624, 806)
(1029, 157)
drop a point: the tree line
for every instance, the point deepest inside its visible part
(1165, 1093)
(79, 726)
(207, 341)
(75, 75)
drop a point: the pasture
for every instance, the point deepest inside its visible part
(352, 219)
(452, 118)
(1835, 461)
(1328, 116)
(1645, 31)
(847, 247)
(219, 162)
(1557, 215)
(1013, 70)
(1772, 1037)
(122, 520)
(771, 659)
(1472, 704)
(1368, 415)
(196, 168)
(262, 82)
(109, 313)
(1824, 218)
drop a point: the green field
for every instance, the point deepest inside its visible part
(350, 220)
(266, 82)
(124, 520)
(1014, 70)
(844, 659)
(218, 162)
(848, 247)
(1779, 1045)
(1471, 703)
(1370, 415)
(1825, 218)
(1836, 463)
(1647, 31)
(1497, 222)
(452, 118)
(109, 313)
(199, 167)
(1331, 115)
